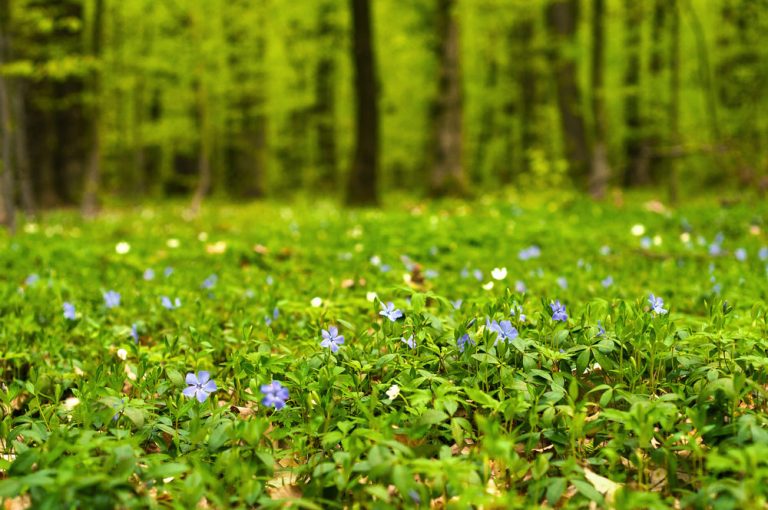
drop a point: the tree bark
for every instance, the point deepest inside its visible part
(600, 172)
(325, 98)
(447, 172)
(362, 186)
(673, 113)
(7, 206)
(529, 96)
(90, 204)
(636, 172)
(562, 18)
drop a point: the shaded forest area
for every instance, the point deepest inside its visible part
(239, 98)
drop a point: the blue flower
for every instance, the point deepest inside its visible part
(149, 274)
(715, 249)
(275, 314)
(170, 305)
(741, 254)
(410, 342)
(331, 339)
(431, 274)
(385, 268)
(562, 282)
(504, 330)
(168, 271)
(200, 386)
(600, 329)
(269, 280)
(517, 310)
(657, 305)
(558, 311)
(463, 341)
(210, 282)
(390, 312)
(532, 252)
(763, 253)
(478, 275)
(415, 496)
(111, 299)
(607, 281)
(457, 304)
(520, 287)
(646, 242)
(69, 311)
(135, 333)
(275, 395)
(32, 279)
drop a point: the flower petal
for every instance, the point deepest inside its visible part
(191, 378)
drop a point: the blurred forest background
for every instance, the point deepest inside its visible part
(355, 98)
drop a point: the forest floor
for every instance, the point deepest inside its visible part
(564, 354)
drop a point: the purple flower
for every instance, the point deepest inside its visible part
(517, 310)
(465, 273)
(562, 282)
(149, 274)
(607, 281)
(170, 305)
(210, 282)
(478, 275)
(275, 314)
(385, 268)
(390, 312)
(410, 342)
(520, 287)
(111, 299)
(532, 252)
(763, 253)
(457, 304)
(32, 279)
(741, 254)
(558, 311)
(275, 395)
(69, 311)
(332, 339)
(431, 274)
(463, 341)
(657, 305)
(168, 271)
(135, 333)
(200, 386)
(646, 242)
(715, 249)
(600, 329)
(504, 330)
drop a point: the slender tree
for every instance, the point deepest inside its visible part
(562, 19)
(600, 171)
(362, 188)
(7, 205)
(636, 171)
(325, 95)
(447, 172)
(90, 204)
(673, 112)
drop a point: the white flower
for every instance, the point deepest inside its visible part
(685, 237)
(393, 391)
(122, 354)
(657, 240)
(202, 236)
(638, 230)
(122, 248)
(499, 273)
(376, 260)
(488, 286)
(316, 302)
(371, 296)
(172, 243)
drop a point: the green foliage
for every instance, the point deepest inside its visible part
(658, 411)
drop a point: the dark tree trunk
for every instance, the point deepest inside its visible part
(325, 98)
(657, 102)
(7, 202)
(362, 188)
(636, 172)
(205, 150)
(673, 113)
(447, 172)
(600, 172)
(562, 18)
(529, 139)
(90, 204)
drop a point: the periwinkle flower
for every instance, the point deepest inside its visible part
(562, 282)
(646, 242)
(715, 249)
(520, 287)
(385, 268)
(531, 252)
(600, 328)
(389, 311)
(605, 250)
(558, 311)
(607, 281)
(170, 305)
(410, 342)
(657, 305)
(331, 339)
(149, 274)
(135, 333)
(741, 254)
(275, 314)
(111, 299)
(763, 253)
(478, 275)
(457, 304)
(275, 395)
(200, 385)
(463, 341)
(504, 330)
(32, 279)
(210, 282)
(168, 271)
(431, 274)
(517, 310)
(69, 311)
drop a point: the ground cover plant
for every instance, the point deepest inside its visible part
(461, 355)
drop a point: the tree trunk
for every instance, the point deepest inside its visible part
(7, 206)
(673, 113)
(600, 172)
(529, 139)
(562, 18)
(90, 204)
(636, 171)
(447, 173)
(204, 154)
(325, 98)
(657, 102)
(362, 188)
